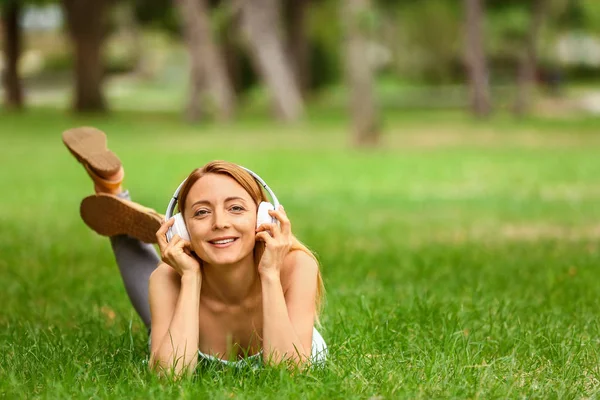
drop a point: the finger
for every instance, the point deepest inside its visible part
(279, 214)
(264, 237)
(276, 225)
(175, 240)
(272, 228)
(181, 246)
(161, 240)
(181, 243)
(265, 227)
(161, 233)
(165, 225)
(284, 222)
(187, 247)
(171, 245)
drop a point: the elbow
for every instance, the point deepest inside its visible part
(171, 366)
(159, 366)
(298, 359)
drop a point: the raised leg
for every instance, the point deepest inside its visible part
(136, 261)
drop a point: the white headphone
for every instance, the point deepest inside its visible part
(262, 216)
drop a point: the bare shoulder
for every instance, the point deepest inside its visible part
(164, 277)
(298, 266)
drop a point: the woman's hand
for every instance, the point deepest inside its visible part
(177, 252)
(278, 242)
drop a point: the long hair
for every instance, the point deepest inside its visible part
(256, 192)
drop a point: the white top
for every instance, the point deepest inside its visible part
(318, 353)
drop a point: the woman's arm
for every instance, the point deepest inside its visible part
(288, 317)
(174, 306)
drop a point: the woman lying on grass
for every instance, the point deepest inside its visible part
(233, 293)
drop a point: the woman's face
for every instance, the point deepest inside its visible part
(220, 217)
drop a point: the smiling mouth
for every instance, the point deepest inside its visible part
(222, 242)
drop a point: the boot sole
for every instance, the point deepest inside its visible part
(111, 216)
(88, 145)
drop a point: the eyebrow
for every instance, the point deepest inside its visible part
(226, 200)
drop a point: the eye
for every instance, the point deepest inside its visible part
(200, 212)
(237, 209)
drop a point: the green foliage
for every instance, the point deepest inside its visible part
(115, 60)
(325, 33)
(573, 15)
(159, 14)
(431, 54)
(460, 261)
(324, 69)
(505, 39)
(591, 13)
(509, 25)
(499, 5)
(29, 2)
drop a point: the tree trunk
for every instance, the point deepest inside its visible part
(86, 21)
(193, 110)
(476, 60)
(208, 68)
(11, 11)
(261, 22)
(359, 73)
(298, 43)
(527, 68)
(232, 58)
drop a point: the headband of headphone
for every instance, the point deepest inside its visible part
(175, 198)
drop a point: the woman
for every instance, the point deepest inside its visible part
(232, 293)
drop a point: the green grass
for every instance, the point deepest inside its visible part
(460, 259)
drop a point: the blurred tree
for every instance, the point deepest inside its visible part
(224, 21)
(157, 14)
(207, 65)
(430, 55)
(125, 19)
(562, 14)
(475, 58)
(262, 26)
(87, 26)
(357, 18)
(324, 31)
(526, 77)
(298, 42)
(12, 35)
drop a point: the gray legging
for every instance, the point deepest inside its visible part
(136, 261)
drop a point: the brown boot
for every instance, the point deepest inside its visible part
(88, 145)
(109, 215)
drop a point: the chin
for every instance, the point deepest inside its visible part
(222, 259)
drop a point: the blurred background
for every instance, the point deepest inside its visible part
(214, 60)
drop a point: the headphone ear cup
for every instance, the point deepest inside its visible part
(178, 228)
(262, 216)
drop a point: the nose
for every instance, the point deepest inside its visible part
(220, 220)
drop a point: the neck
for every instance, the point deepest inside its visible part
(232, 283)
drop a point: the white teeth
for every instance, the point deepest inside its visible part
(223, 241)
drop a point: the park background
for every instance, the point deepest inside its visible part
(439, 156)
